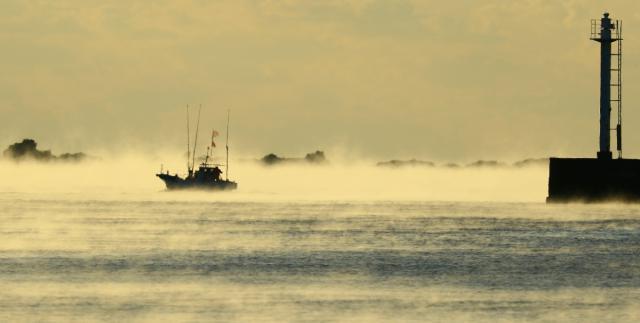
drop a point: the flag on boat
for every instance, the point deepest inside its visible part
(213, 135)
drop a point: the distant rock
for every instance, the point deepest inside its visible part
(316, 157)
(272, 159)
(532, 162)
(406, 163)
(529, 162)
(487, 163)
(28, 150)
(75, 157)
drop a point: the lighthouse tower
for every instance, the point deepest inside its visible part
(606, 32)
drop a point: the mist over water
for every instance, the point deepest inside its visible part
(347, 242)
(343, 180)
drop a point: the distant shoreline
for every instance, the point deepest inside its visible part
(27, 150)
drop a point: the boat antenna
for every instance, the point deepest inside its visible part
(227, 147)
(195, 142)
(188, 140)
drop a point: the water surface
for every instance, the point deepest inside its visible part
(66, 257)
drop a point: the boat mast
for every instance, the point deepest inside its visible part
(227, 146)
(195, 143)
(188, 141)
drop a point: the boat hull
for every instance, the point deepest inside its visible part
(174, 182)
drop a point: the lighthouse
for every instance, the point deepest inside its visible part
(606, 32)
(603, 178)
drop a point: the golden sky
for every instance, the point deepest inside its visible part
(440, 80)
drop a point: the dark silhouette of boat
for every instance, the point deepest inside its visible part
(209, 175)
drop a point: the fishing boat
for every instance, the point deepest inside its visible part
(208, 176)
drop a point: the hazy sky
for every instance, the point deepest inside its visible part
(441, 80)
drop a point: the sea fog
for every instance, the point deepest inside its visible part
(133, 176)
(344, 242)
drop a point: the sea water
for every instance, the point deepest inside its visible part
(149, 255)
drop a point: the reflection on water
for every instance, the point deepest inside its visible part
(115, 260)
